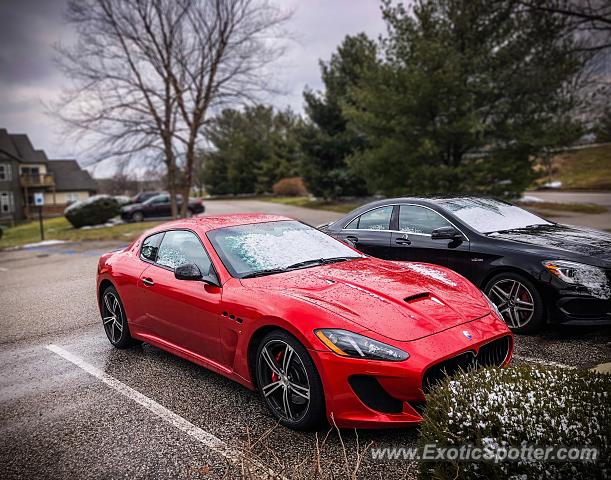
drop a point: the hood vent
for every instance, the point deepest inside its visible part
(416, 297)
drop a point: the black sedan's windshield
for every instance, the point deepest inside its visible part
(487, 215)
(274, 247)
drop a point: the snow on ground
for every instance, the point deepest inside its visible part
(44, 243)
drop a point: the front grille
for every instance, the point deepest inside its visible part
(491, 354)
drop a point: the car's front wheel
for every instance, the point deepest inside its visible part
(289, 382)
(137, 217)
(115, 320)
(518, 301)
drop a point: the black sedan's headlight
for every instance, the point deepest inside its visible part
(590, 277)
(349, 344)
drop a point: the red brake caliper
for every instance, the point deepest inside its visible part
(278, 358)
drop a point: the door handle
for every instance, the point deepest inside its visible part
(352, 238)
(148, 282)
(403, 241)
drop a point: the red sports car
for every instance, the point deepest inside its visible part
(319, 329)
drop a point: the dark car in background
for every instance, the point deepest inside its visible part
(144, 196)
(159, 206)
(534, 270)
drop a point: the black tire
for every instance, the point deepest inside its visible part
(301, 372)
(114, 319)
(514, 307)
(137, 217)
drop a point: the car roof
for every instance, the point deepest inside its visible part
(206, 223)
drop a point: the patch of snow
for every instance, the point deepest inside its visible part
(487, 215)
(44, 243)
(430, 272)
(553, 184)
(531, 199)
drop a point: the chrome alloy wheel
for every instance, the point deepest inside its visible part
(113, 317)
(283, 380)
(514, 301)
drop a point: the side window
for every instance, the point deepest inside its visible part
(377, 219)
(179, 247)
(150, 246)
(5, 171)
(415, 219)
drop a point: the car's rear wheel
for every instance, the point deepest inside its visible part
(289, 382)
(114, 319)
(137, 216)
(518, 301)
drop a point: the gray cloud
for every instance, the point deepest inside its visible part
(29, 77)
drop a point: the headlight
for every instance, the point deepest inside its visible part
(588, 276)
(494, 307)
(349, 344)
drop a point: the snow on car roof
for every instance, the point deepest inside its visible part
(206, 223)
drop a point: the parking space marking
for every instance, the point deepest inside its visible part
(547, 363)
(207, 439)
(2, 269)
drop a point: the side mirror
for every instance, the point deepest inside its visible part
(188, 271)
(445, 233)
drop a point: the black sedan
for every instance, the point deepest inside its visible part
(159, 206)
(534, 270)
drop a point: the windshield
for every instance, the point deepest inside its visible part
(487, 215)
(272, 247)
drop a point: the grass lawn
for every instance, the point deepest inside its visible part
(586, 169)
(306, 202)
(60, 229)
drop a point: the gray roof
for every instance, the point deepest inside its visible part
(70, 177)
(18, 146)
(6, 144)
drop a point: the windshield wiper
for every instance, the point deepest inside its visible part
(318, 261)
(261, 273)
(297, 266)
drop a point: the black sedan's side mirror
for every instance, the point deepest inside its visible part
(188, 271)
(445, 233)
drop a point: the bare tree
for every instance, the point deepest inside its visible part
(146, 73)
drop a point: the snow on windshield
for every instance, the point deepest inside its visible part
(262, 246)
(487, 215)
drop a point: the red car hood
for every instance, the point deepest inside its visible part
(402, 301)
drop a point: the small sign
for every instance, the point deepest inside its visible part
(39, 199)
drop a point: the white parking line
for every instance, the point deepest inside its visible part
(548, 363)
(209, 440)
(2, 269)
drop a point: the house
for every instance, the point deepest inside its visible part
(25, 171)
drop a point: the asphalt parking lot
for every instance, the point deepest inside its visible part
(71, 406)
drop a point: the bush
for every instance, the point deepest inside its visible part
(93, 211)
(520, 406)
(290, 187)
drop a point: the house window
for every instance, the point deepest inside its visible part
(72, 197)
(6, 203)
(5, 171)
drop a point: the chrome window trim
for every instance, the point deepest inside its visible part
(399, 231)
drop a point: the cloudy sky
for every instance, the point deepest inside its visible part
(29, 77)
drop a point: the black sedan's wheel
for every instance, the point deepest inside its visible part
(518, 301)
(137, 217)
(114, 319)
(288, 382)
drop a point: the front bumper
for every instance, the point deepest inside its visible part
(574, 304)
(401, 382)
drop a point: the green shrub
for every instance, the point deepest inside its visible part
(93, 211)
(520, 406)
(290, 187)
